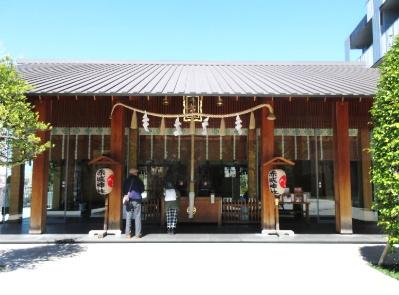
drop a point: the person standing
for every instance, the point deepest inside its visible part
(171, 207)
(133, 187)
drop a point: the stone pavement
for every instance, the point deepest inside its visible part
(194, 238)
(191, 268)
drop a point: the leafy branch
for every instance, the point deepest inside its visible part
(19, 123)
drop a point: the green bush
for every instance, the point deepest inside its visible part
(385, 145)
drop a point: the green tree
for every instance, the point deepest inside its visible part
(18, 121)
(385, 147)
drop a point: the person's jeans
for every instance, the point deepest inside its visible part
(133, 210)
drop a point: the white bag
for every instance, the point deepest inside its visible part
(125, 199)
(170, 195)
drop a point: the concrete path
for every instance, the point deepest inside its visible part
(191, 268)
(194, 238)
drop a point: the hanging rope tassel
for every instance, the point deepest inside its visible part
(162, 127)
(222, 131)
(133, 122)
(192, 127)
(146, 122)
(252, 121)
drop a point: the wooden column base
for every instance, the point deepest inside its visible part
(40, 176)
(268, 221)
(17, 193)
(117, 154)
(342, 177)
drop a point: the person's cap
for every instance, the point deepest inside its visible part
(133, 171)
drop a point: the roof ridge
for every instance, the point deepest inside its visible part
(188, 62)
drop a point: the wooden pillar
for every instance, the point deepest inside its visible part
(192, 157)
(342, 181)
(133, 142)
(251, 140)
(87, 184)
(267, 152)
(118, 154)
(366, 165)
(40, 175)
(17, 193)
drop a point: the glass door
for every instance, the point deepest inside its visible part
(313, 173)
(323, 175)
(5, 186)
(72, 197)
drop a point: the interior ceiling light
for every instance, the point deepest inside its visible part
(219, 103)
(165, 101)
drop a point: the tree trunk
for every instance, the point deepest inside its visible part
(383, 255)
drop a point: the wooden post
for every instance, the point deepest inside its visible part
(162, 204)
(133, 142)
(342, 181)
(40, 174)
(191, 194)
(106, 213)
(251, 140)
(17, 193)
(57, 187)
(192, 154)
(118, 154)
(133, 148)
(267, 148)
(219, 204)
(366, 165)
(277, 216)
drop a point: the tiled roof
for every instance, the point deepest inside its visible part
(200, 78)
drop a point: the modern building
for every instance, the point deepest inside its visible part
(321, 113)
(375, 33)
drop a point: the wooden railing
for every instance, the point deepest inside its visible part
(234, 211)
(151, 211)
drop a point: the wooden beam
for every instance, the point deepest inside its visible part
(40, 174)
(342, 181)
(275, 161)
(17, 193)
(366, 165)
(117, 154)
(267, 151)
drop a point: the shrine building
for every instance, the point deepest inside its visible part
(208, 126)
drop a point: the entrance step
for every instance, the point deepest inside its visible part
(279, 233)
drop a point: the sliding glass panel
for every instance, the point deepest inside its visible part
(312, 174)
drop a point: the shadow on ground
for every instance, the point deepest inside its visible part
(372, 254)
(29, 258)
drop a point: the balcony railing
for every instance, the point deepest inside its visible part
(389, 36)
(367, 57)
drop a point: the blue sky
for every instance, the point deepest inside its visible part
(178, 29)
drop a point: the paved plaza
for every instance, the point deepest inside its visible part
(192, 268)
